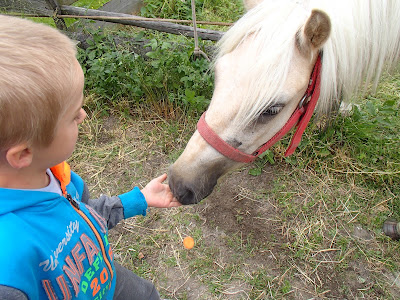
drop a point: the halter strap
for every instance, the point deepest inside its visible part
(301, 117)
(220, 145)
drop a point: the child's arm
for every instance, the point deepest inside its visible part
(158, 194)
(9, 293)
(116, 208)
(133, 203)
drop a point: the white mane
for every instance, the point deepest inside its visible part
(365, 38)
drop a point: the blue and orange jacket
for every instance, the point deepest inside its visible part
(56, 247)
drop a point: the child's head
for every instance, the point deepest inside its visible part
(38, 73)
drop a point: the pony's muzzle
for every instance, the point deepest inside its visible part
(189, 192)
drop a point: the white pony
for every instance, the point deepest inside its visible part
(263, 71)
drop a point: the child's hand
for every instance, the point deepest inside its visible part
(158, 194)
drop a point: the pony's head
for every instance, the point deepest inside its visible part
(261, 73)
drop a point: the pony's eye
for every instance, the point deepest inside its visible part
(273, 110)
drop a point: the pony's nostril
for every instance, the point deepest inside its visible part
(184, 194)
(188, 197)
(181, 191)
(188, 192)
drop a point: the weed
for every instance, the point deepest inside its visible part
(167, 73)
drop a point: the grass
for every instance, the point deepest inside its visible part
(206, 10)
(92, 4)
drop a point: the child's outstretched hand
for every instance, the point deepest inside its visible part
(158, 194)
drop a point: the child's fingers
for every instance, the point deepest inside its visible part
(175, 203)
(162, 177)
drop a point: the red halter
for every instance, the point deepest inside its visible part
(300, 117)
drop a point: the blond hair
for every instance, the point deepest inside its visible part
(37, 70)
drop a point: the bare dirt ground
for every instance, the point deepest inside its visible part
(257, 237)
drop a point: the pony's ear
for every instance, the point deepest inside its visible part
(313, 35)
(249, 4)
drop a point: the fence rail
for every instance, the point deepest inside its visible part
(59, 8)
(26, 6)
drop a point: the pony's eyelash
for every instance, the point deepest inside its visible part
(273, 110)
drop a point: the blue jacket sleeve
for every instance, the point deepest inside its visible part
(134, 203)
(114, 209)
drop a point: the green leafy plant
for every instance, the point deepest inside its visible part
(167, 71)
(265, 158)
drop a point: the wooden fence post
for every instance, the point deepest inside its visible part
(60, 23)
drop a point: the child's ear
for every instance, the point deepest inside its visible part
(19, 156)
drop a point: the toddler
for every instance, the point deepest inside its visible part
(53, 237)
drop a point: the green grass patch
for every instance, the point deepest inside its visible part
(206, 10)
(92, 4)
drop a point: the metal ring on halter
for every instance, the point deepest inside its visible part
(301, 103)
